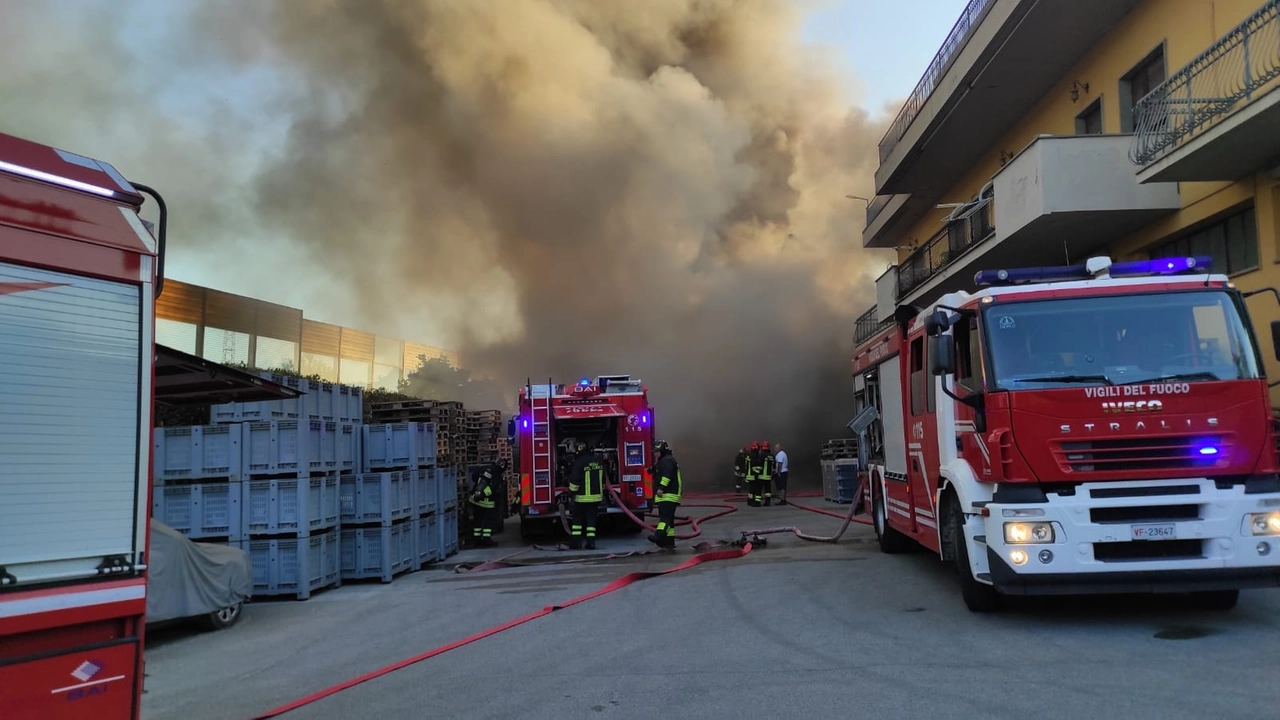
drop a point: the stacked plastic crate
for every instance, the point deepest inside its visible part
(197, 472)
(293, 452)
(390, 511)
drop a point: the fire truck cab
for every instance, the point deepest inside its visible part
(611, 415)
(1097, 428)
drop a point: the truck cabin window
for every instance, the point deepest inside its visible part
(1187, 336)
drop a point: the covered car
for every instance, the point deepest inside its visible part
(188, 579)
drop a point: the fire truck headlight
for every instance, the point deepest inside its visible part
(1265, 523)
(1017, 533)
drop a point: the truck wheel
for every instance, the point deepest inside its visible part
(224, 618)
(1215, 600)
(891, 541)
(978, 597)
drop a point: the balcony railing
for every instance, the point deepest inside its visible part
(868, 327)
(951, 47)
(946, 247)
(875, 207)
(1210, 87)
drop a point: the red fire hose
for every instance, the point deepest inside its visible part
(624, 581)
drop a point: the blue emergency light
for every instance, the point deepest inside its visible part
(1136, 268)
(584, 382)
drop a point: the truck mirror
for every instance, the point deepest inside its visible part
(1275, 338)
(942, 355)
(936, 323)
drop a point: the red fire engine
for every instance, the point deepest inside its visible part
(1096, 428)
(611, 415)
(79, 273)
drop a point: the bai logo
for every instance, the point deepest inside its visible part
(90, 681)
(633, 422)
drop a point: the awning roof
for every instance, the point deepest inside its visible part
(586, 411)
(183, 379)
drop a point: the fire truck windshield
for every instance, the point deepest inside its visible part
(1184, 336)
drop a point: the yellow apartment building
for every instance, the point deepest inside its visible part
(230, 329)
(1046, 131)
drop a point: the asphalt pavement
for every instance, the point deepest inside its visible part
(794, 629)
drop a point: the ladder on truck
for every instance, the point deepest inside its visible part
(543, 449)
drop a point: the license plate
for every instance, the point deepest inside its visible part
(1154, 532)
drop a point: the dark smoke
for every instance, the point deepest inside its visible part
(579, 187)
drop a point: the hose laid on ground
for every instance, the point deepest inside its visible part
(695, 522)
(624, 581)
(848, 518)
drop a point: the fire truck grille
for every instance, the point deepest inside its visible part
(1144, 453)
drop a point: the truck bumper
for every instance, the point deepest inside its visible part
(1200, 540)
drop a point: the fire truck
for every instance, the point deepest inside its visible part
(79, 273)
(611, 415)
(1095, 428)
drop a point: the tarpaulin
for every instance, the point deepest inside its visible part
(190, 579)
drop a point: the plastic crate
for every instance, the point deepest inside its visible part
(197, 452)
(200, 510)
(294, 566)
(385, 498)
(426, 444)
(298, 506)
(846, 474)
(260, 411)
(379, 552)
(347, 447)
(426, 491)
(426, 541)
(349, 405)
(448, 526)
(447, 480)
(393, 446)
(289, 446)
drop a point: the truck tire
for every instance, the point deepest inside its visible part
(891, 541)
(1215, 600)
(978, 597)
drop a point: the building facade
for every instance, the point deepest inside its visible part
(231, 329)
(1046, 132)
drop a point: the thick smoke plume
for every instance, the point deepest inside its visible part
(570, 188)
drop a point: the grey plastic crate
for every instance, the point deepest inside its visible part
(426, 491)
(392, 446)
(197, 452)
(426, 444)
(260, 411)
(846, 472)
(294, 567)
(347, 447)
(448, 526)
(200, 510)
(296, 506)
(382, 498)
(378, 552)
(289, 446)
(426, 541)
(350, 404)
(447, 481)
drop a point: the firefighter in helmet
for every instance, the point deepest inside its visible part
(765, 478)
(586, 485)
(484, 499)
(668, 491)
(755, 466)
(740, 468)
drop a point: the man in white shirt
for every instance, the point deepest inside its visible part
(781, 480)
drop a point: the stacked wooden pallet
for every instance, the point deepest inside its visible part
(480, 435)
(839, 448)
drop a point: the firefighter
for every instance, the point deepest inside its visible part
(765, 478)
(484, 499)
(586, 485)
(754, 468)
(668, 489)
(740, 468)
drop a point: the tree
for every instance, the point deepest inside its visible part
(438, 379)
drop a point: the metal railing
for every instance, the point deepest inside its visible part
(945, 247)
(868, 327)
(875, 207)
(951, 47)
(1215, 84)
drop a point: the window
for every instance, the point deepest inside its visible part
(917, 376)
(1089, 122)
(1136, 84)
(968, 355)
(1231, 242)
(930, 382)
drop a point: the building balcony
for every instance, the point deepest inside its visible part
(1218, 117)
(869, 325)
(1000, 59)
(887, 217)
(1056, 202)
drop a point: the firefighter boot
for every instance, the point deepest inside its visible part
(591, 543)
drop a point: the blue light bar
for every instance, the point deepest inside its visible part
(1160, 266)
(584, 382)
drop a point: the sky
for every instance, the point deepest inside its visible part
(883, 48)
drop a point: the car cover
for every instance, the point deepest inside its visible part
(189, 579)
